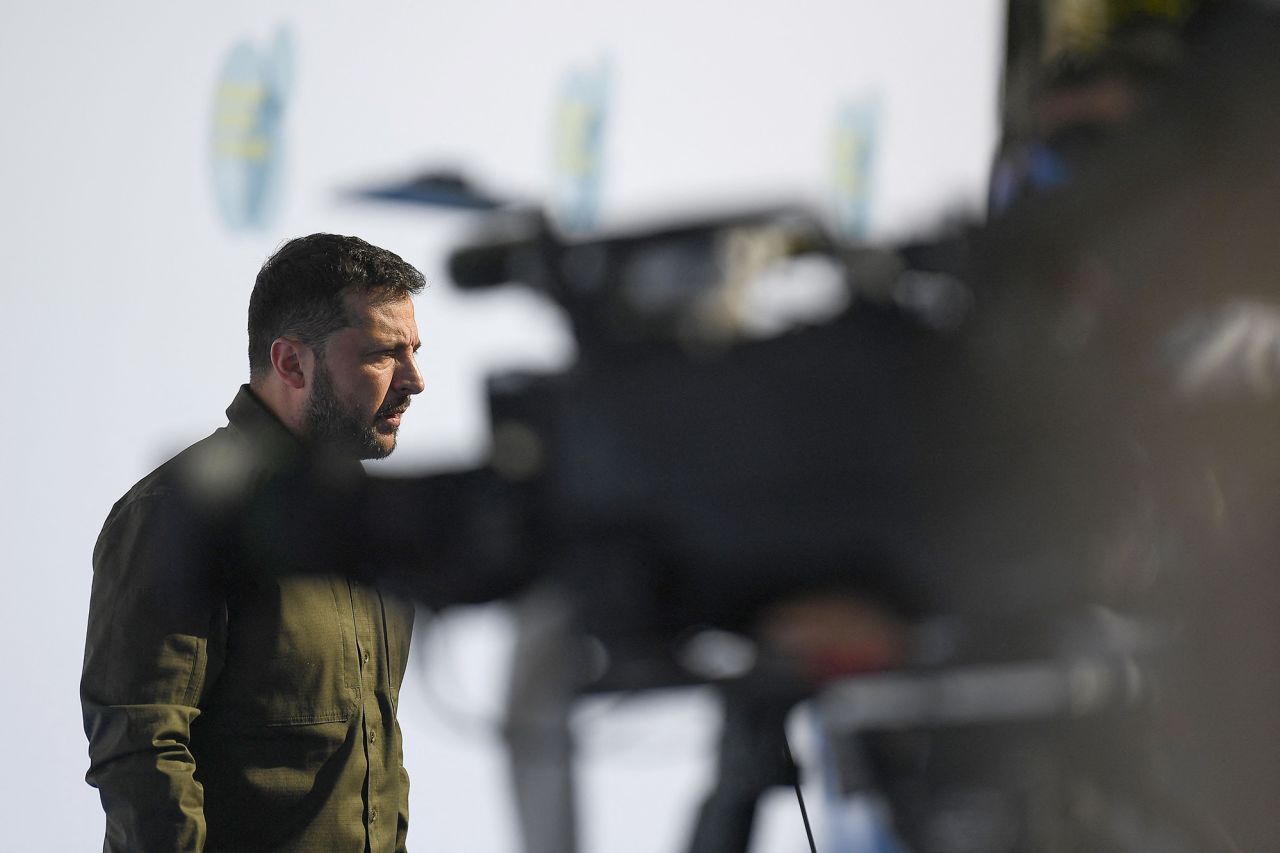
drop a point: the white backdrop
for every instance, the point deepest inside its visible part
(126, 292)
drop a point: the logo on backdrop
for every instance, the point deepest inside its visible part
(247, 150)
(581, 111)
(853, 166)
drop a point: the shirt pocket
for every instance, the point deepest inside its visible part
(291, 653)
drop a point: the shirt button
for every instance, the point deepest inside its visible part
(373, 815)
(364, 656)
(373, 736)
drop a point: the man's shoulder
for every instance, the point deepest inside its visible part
(209, 470)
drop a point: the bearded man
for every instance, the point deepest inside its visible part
(233, 704)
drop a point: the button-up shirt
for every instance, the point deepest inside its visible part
(229, 705)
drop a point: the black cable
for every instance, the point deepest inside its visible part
(804, 812)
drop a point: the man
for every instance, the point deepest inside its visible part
(237, 693)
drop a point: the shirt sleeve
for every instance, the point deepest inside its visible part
(154, 644)
(402, 816)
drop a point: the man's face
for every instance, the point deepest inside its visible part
(363, 378)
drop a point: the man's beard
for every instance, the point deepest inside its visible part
(330, 423)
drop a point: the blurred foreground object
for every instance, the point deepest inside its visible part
(698, 470)
(1040, 486)
(1154, 275)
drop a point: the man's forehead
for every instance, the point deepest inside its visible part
(383, 315)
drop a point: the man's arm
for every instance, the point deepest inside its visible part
(154, 643)
(402, 816)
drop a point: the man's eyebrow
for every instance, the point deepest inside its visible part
(390, 340)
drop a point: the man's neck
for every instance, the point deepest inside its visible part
(281, 402)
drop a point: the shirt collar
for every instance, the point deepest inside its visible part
(247, 413)
(250, 417)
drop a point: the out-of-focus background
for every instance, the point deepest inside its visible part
(154, 154)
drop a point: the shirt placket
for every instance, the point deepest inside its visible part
(369, 644)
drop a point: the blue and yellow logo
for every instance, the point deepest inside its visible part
(579, 146)
(853, 166)
(248, 131)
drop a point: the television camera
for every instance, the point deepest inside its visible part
(713, 464)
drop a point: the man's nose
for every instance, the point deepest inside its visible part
(409, 378)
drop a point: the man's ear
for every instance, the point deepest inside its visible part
(290, 361)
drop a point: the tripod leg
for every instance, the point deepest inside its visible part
(539, 743)
(753, 758)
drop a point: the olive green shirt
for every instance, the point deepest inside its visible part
(231, 706)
